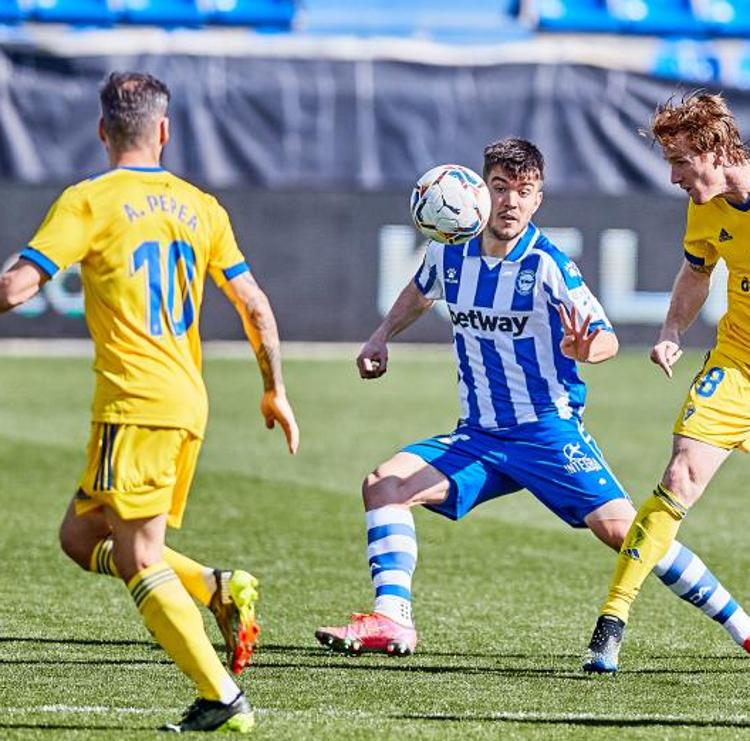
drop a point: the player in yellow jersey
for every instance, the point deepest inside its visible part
(701, 142)
(146, 241)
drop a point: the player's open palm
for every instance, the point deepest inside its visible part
(275, 407)
(372, 360)
(577, 340)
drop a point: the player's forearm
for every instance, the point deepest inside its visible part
(262, 332)
(689, 293)
(407, 308)
(604, 347)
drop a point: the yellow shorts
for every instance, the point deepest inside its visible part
(717, 408)
(139, 472)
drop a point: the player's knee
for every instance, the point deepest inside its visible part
(72, 547)
(380, 489)
(682, 479)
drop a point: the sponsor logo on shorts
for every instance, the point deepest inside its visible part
(578, 460)
(450, 439)
(689, 412)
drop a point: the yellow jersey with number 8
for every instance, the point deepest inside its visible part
(145, 240)
(718, 229)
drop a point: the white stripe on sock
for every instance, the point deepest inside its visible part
(392, 544)
(689, 577)
(717, 602)
(738, 625)
(389, 515)
(662, 567)
(399, 578)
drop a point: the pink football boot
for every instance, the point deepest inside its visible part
(369, 633)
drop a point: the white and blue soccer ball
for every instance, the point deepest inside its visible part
(450, 204)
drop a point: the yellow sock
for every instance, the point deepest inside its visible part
(102, 560)
(175, 622)
(647, 542)
(193, 575)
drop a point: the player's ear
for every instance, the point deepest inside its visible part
(102, 132)
(163, 131)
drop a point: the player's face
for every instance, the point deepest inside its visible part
(701, 176)
(514, 202)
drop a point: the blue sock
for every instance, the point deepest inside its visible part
(392, 553)
(689, 578)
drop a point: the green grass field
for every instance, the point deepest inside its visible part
(505, 600)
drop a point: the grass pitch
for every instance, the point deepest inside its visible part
(505, 600)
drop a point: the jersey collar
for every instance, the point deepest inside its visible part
(140, 169)
(527, 241)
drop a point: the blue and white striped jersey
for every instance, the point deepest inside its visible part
(506, 329)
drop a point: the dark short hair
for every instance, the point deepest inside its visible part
(131, 104)
(517, 157)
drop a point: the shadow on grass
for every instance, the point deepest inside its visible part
(75, 641)
(573, 720)
(78, 727)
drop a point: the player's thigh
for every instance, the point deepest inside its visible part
(132, 470)
(692, 466)
(562, 466)
(405, 479)
(80, 533)
(461, 458)
(611, 521)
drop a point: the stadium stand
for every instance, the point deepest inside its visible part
(263, 15)
(444, 20)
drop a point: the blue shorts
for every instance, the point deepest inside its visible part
(556, 460)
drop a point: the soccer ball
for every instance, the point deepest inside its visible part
(450, 204)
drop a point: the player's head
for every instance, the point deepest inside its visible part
(134, 112)
(514, 173)
(701, 141)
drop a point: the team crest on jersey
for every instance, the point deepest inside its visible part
(451, 275)
(525, 282)
(578, 460)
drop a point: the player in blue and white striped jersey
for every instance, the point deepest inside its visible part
(522, 318)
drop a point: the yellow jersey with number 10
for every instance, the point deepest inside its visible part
(718, 229)
(145, 240)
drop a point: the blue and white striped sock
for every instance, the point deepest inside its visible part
(392, 553)
(689, 578)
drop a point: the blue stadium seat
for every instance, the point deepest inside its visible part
(273, 15)
(688, 60)
(659, 17)
(168, 13)
(739, 76)
(726, 17)
(11, 11)
(575, 15)
(478, 20)
(76, 12)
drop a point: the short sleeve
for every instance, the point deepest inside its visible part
(698, 251)
(564, 284)
(226, 261)
(65, 235)
(428, 279)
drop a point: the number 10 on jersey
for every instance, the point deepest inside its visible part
(149, 256)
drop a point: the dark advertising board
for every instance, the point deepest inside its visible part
(332, 263)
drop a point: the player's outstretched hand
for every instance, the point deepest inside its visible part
(665, 353)
(576, 342)
(275, 407)
(372, 360)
